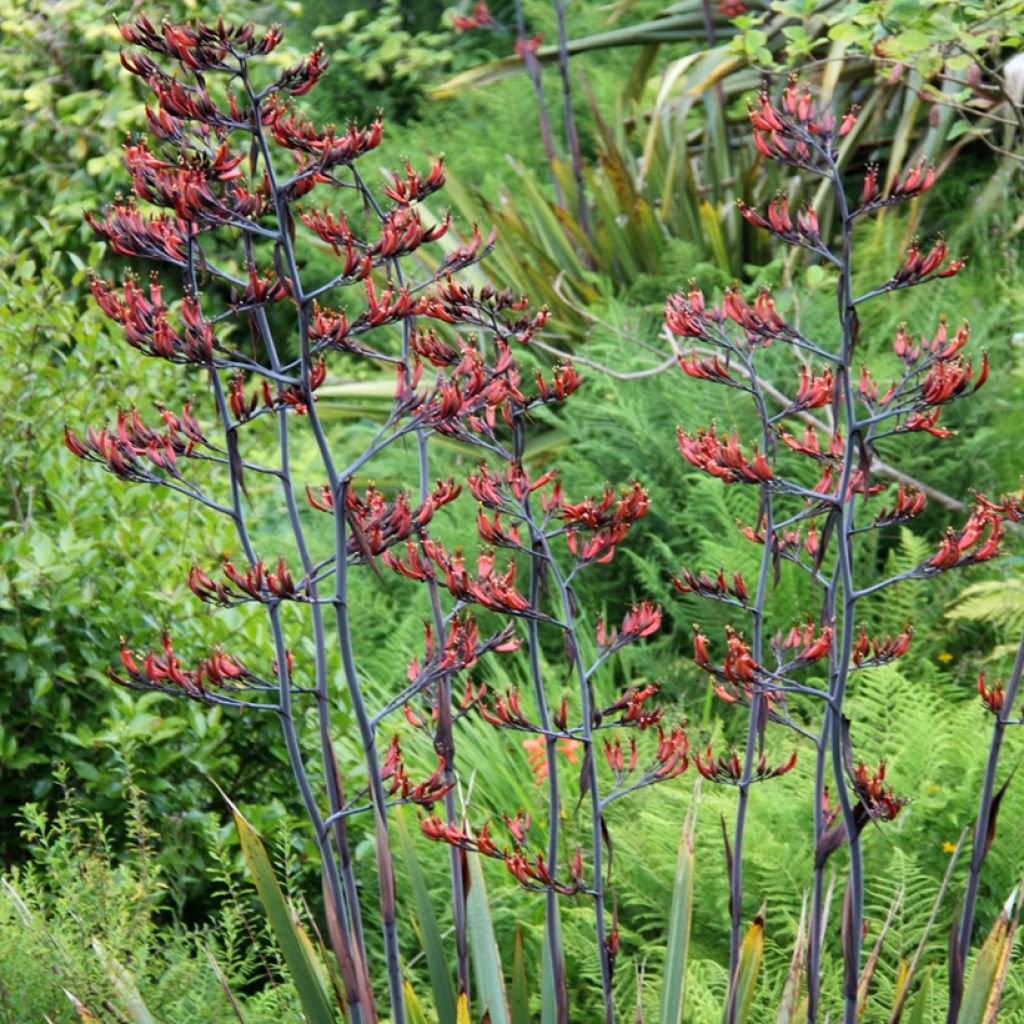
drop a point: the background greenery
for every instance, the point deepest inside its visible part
(110, 829)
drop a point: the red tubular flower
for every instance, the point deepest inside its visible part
(709, 368)
(414, 187)
(532, 45)
(814, 391)
(909, 503)
(994, 696)
(970, 545)
(810, 445)
(716, 588)
(721, 457)
(877, 801)
(596, 526)
(164, 671)
(564, 382)
(876, 651)
(727, 769)
(806, 646)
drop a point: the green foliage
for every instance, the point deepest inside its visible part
(87, 919)
(381, 59)
(65, 107)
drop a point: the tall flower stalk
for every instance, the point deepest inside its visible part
(814, 508)
(232, 189)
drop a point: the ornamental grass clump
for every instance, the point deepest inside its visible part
(813, 467)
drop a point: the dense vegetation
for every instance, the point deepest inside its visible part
(124, 882)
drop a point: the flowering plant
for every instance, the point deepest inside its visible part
(814, 467)
(230, 192)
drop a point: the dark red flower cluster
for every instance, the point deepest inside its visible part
(291, 397)
(795, 133)
(164, 671)
(642, 620)
(257, 583)
(131, 448)
(687, 316)
(632, 707)
(968, 546)
(201, 188)
(876, 800)
(918, 179)
(399, 785)
(777, 219)
(507, 713)
(488, 588)
(414, 187)
(460, 651)
(146, 323)
(378, 524)
(721, 457)
(708, 368)
(920, 266)
(452, 302)
(810, 445)
(876, 651)
(806, 647)
(469, 399)
(131, 234)
(480, 18)
(717, 587)
(739, 669)
(671, 758)
(909, 503)
(198, 46)
(595, 526)
(327, 148)
(994, 696)
(525, 865)
(727, 769)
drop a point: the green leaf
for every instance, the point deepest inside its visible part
(413, 1009)
(922, 1004)
(985, 974)
(297, 953)
(433, 946)
(673, 985)
(520, 1002)
(483, 948)
(747, 970)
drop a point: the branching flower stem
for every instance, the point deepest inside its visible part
(590, 781)
(983, 828)
(338, 488)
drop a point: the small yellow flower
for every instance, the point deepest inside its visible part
(948, 847)
(945, 657)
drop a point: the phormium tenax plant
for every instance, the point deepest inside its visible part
(815, 519)
(232, 189)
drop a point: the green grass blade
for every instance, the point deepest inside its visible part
(985, 973)
(413, 1009)
(297, 953)
(747, 970)
(519, 1009)
(791, 989)
(673, 984)
(433, 946)
(131, 1002)
(922, 1005)
(547, 984)
(483, 948)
